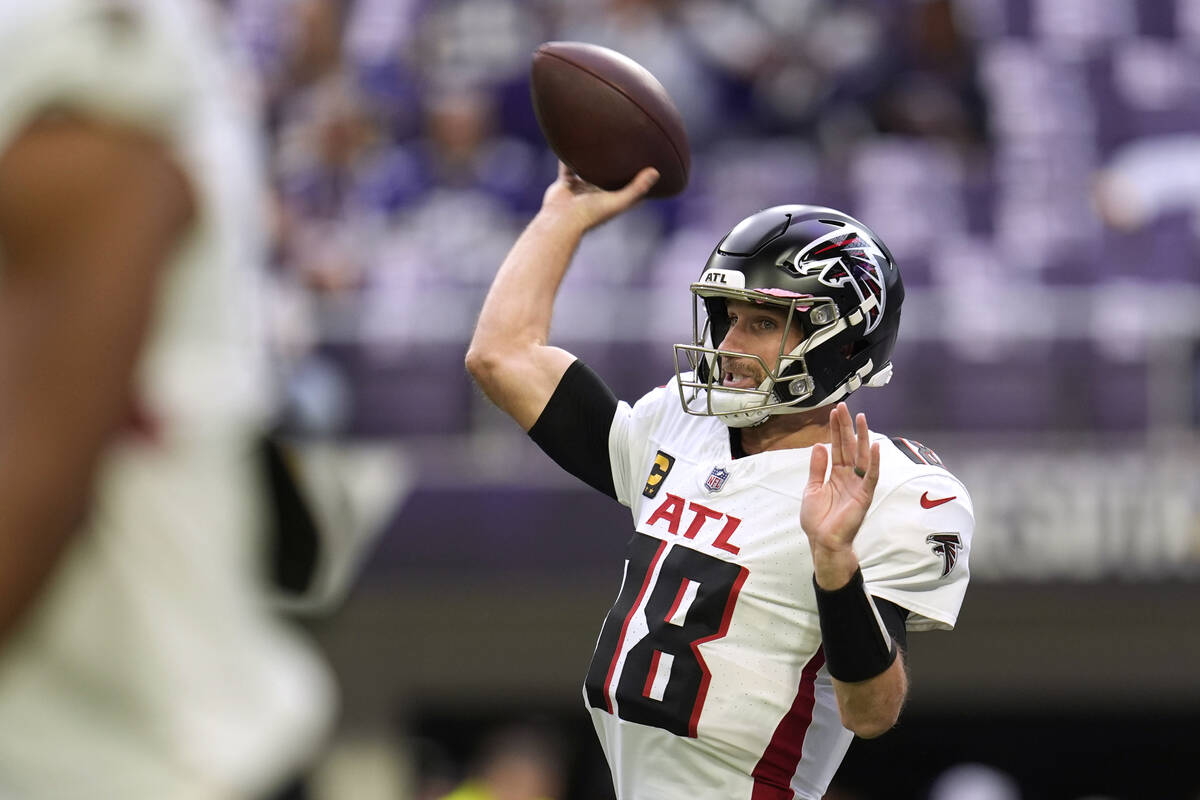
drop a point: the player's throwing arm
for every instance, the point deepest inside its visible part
(509, 356)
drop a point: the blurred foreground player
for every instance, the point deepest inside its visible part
(137, 656)
(781, 549)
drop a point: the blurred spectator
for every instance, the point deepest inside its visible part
(515, 763)
(931, 90)
(324, 157)
(290, 43)
(463, 149)
(318, 32)
(476, 41)
(1145, 179)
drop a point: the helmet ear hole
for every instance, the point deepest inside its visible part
(852, 349)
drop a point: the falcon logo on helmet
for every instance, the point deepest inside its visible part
(847, 258)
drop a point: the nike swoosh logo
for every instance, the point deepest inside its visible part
(927, 503)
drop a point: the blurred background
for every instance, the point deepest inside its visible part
(1034, 165)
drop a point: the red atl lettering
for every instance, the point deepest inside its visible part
(702, 515)
(671, 511)
(722, 540)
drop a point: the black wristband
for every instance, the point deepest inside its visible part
(857, 645)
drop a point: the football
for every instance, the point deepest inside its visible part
(606, 117)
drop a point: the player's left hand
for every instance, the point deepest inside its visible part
(834, 508)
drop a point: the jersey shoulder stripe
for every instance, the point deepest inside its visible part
(917, 452)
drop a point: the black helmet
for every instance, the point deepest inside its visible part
(838, 282)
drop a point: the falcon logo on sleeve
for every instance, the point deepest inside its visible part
(946, 545)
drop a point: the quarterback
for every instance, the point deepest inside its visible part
(781, 550)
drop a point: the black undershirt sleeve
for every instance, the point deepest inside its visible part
(573, 428)
(893, 617)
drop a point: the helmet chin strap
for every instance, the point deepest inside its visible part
(738, 410)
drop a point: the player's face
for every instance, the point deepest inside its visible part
(754, 329)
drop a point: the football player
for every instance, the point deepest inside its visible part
(138, 657)
(782, 550)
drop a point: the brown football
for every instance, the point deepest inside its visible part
(605, 116)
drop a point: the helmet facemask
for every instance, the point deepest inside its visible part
(787, 383)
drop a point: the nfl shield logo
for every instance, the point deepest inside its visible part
(716, 479)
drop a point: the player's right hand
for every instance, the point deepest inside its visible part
(577, 202)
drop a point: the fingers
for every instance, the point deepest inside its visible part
(851, 442)
(835, 435)
(626, 195)
(637, 187)
(845, 453)
(605, 205)
(872, 478)
(862, 452)
(817, 464)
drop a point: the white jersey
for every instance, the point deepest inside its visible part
(149, 665)
(708, 679)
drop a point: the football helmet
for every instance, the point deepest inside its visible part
(839, 285)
